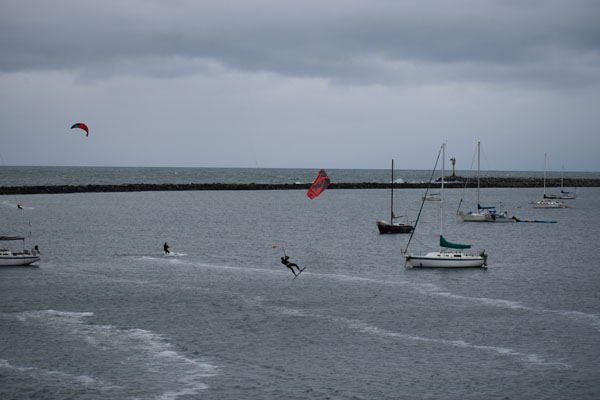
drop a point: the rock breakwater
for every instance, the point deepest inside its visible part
(455, 182)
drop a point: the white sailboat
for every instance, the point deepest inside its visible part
(563, 195)
(445, 257)
(484, 214)
(546, 202)
(10, 257)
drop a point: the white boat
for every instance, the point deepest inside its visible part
(446, 259)
(9, 257)
(450, 254)
(547, 203)
(474, 216)
(432, 197)
(391, 226)
(560, 196)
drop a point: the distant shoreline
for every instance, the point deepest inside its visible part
(456, 182)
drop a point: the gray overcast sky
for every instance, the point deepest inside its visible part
(326, 83)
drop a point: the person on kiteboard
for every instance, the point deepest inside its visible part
(290, 265)
(166, 248)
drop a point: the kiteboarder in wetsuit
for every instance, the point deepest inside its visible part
(290, 265)
(166, 248)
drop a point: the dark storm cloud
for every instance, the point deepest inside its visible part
(383, 42)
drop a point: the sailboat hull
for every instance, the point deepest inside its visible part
(487, 217)
(446, 260)
(474, 217)
(386, 227)
(561, 196)
(17, 260)
(548, 204)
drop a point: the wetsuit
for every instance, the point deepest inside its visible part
(290, 265)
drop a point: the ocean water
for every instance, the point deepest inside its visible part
(33, 176)
(107, 315)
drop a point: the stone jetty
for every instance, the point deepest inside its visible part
(451, 182)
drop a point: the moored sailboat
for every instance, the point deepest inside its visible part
(450, 254)
(482, 214)
(487, 213)
(563, 195)
(546, 202)
(391, 226)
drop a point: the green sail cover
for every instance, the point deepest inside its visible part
(445, 243)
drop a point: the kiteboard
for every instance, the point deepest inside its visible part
(173, 254)
(299, 272)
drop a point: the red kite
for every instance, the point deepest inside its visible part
(82, 126)
(319, 185)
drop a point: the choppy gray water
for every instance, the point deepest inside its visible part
(106, 315)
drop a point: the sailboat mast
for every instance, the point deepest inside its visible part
(478, 167)
(392, 199)
(545, 166)
(442, 196)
